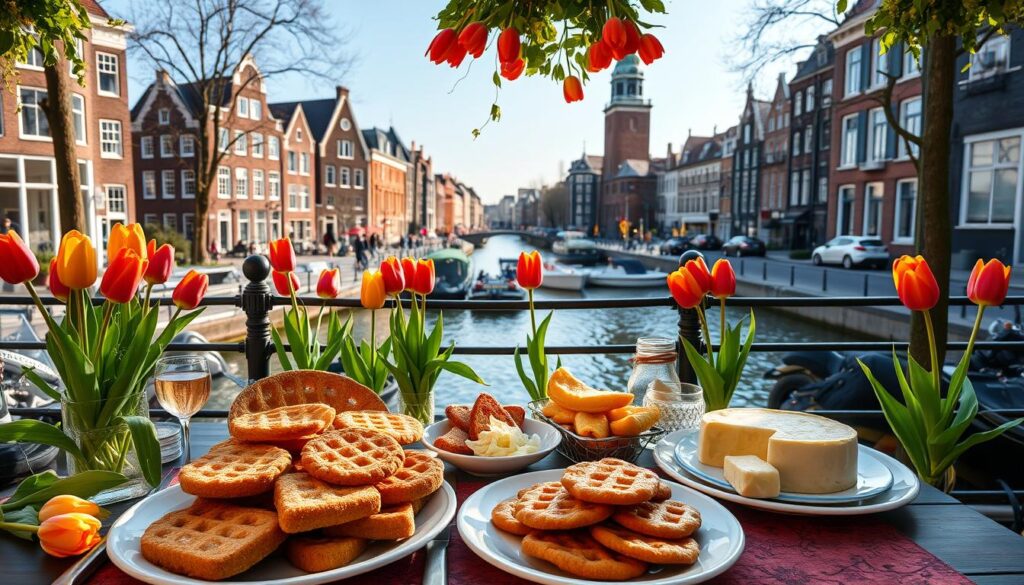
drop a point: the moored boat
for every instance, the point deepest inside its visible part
(498, 287)
(572, 247)
(563, 278)
(625, 273)
(452, 270)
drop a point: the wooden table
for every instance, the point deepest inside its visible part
(976, 546)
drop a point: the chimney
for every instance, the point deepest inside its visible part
(162, 76)
(342, 91)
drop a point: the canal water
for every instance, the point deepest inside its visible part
(573, 327)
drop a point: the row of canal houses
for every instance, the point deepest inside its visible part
(817, 159)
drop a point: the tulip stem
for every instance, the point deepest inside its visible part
(316, 331)
(707, 334)
(50, 323)
(721, 315)
(373, 340)
(145, 303)
(533, 318)
(19, 527)
(933, 351)
(108, 310)
(974, 330)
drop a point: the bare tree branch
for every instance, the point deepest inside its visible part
(884, 99)
(768, 35)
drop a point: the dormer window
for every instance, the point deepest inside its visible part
(298, 134)
(164, 116)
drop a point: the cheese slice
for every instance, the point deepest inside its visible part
(813, 454)
(751, 476)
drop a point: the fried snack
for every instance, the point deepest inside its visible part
(211, 540)
(577, 553)
(391, 523)
(610, 481)
(458, 414)
(305, 387)
(664, 492)
(590, 424)
(281, 423)
(314, 555)
(305, 503)
(417, 505)
(420, 475)
(617, 413)
(404, 428)
(637, 421)
(352, 457)
(548, 506)
(502, 516)
(232, 469)
(480, 416)
(668, 519)
(454, 441)
(518, 413)
(570, 393)
(557, 413)
(649, 549)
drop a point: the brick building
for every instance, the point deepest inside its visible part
(690, 190)
(28, 173)
(390, 180)
(724, 225)
(300, 148)
(423, 213)
(746, 204)
(584, 184)
(774, 163)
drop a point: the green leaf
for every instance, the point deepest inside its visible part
(945, 440)
(26, 515)
(84, 484)
(531, 388)
(899, 420)
(463, 370)
(282, 355)
(910, 399)
(708, 377)
(841, 6)
(923, 385)
(36, 379)
(976, 439)
(34, 483)
(496, 79)
(146, 446)
(34, 431)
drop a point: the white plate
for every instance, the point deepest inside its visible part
(903, 491)
(123, 544)
(720, 536)
(487, 466)
(873, 476)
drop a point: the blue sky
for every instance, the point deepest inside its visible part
(391, 82)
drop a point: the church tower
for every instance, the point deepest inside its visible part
(627, 119)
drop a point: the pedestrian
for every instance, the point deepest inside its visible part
(359, 247)
(330, 242)
(7, 226)
(214, 251)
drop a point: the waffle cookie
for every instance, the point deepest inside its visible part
(502, 517)
(404, 428)
(577, 553)
(232, 469)
(305, 387)
(610, 481)
(352, 457)
(548, 506)
(650, 549)
(391, 523)
(666, 519)
(282, 423)
(420, 475)
(314, 555)
(211, 540)
(305, 503)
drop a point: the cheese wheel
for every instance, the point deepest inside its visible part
(813, 454)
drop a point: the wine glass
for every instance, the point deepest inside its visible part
(183, 387)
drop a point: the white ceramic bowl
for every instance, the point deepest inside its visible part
(477, 465)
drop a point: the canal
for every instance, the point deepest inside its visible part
(573, 327)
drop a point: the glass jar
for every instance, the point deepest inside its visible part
(419, 405)
(655, 359)
(682, 405)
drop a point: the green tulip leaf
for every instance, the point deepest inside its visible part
(35, 431)
(146, 447)
(84, 484)
(27, 515)
(282, 355)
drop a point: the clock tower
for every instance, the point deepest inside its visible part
(627, 118)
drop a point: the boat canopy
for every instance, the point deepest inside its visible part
(630, 265)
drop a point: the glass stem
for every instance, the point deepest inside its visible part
(186, 443)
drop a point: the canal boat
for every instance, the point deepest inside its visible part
(501, 286)
(452, 272)
(563, 278)
(571, 247)
(626, 273)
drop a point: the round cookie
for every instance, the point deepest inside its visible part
(420, 475)
(610, 481)
(577, 553)
(282, 423)
(352, 457)
(404, 428)
(668, 519)
(549, 506)
(502, 517)
(647, 548)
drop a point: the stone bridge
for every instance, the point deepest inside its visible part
(480, 238)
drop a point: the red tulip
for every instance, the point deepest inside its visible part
(282, 255)
(281, 280)
(438, 49)
(632, 40)
(599, 57)
(572, 89)
(529, 272)
(423, 282)
(474, 39)
(161, 263)
(121, 279)
(614, 33)
(723, 279)
(19, 264)
(329, 285)
(455, 55)
(57, 288)
(989, 283)
(685, 288)
(394, 278)
(409, 272)
(508, 45)
(513, 69)
(915, 283)
(701, 275)
(191, 290)
(650, 49)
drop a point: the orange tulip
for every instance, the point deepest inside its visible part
(508, 45)
(191, 290)
(699, 270)
(513, 69)
(372, 292)
(121, 279)
(161, 263)
(394, 277)
(650, 49)
(529, 272)
(572, 89)
(409, 271)
(686, 288)
(613, 33)
(915, 283)
(474, 39)
(723, 279)
(424, 280)
(329, 285)
(281, 280)
(599, 57)
(66, 504)
(282, 255)
(128, 236)
(19, 264)
(76, 261)
(443, 41)
(989, 283)
(68, 535)
(57, 288)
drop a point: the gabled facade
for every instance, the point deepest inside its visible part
(724, 227)
(423, 213)
(300, 148)
(584, 185)
(746, 204)
(390, 181)
(776, 157)
(690, 190)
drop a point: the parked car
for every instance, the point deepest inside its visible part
(705, 242)
(851, 251)
(674, 246)
(743, 246)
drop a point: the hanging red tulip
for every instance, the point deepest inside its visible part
(19, 263)
(409, 271)
(599, 57)
(614, 33)
(572, 89)
(508, 45)
(438, 49)
(329, 284)
(632, 40)
(455, 55)
(282, 255)
(650, 49)
(474, 39)
(513, 69)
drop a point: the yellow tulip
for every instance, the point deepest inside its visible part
(76, 261)
(122, 236)
(372, 293)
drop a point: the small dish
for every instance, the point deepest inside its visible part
(577, 448)
(477, 465)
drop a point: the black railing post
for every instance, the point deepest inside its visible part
(792, 275)
(865, 285)
(824, 279)
(257, 301)
(764, 270)
(689, 329)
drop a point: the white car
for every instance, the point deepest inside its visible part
(851, 251)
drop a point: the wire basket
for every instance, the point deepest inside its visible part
(578, 448)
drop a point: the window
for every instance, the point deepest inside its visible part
(261, 225)
(188, 225)
(78, 117)
(273, 148)
(257, 184)
(344, 180)
(223, 183)
(274, 185)
(771, 124)
(826, 93)
(35, 58)
(149, 184)
(167, 184)
(357, 180)
(906, 209)
(345, 124)
(255, 109)
(257, 145)
(992, 181)
(163, 116)
(241, 183)
(794, 188)
(171, 221)
(848, 155)
(166, 146)
(329, 178)
(853, 57)
(808, 139)
(911, 65)
(186, 146)
(910, 119)
(298, 135)
(240, 147)
(822, 189)
(243, 225)
(797, 143)
(146, 147)
(293, 162)
(304, 167)
(223, 139)
(293, 196)
(115, 199)
(873, 195)
(805, 187)
(243, 108)
(809, 100)
(108, 73)
(188, 184)
(844, 217)
(878, 131)
(110, 138)
(825, 138)
(993, 57)
(798, 103)
(149, 219)
(746, 133)
(33, 120)
(879, 64)
(344, 149)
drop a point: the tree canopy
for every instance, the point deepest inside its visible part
(52, 26)
(914, 22)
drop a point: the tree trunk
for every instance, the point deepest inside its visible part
(62, 130)
(934, 240)
(201, 234)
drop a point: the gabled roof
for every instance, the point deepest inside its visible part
(375, 137)
(633, 167)
(588, 163)
(285, 111)
(93, 7)
(318, 114)
(822, 57)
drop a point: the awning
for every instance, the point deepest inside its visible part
(795, 216)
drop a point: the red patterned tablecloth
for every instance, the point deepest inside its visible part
(780, 550)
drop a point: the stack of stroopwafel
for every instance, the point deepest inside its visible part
(605, 520)
(315, 462)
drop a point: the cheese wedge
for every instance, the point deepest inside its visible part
(751, 476)
(813, 454)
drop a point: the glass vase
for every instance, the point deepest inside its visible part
(682, 405)
(419, 405)
(106, 444)
(655, 359)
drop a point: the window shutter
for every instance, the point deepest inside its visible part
(895, 56)
(862, 136)
(865, 66)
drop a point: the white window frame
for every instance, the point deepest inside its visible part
(852, 162)
(304, 163)
(274, 148)
(123, 200)
(188, 177)
(223, 182)
(224, 140)
(150, 218)
(343, 146)
(978, 71)
(852, 87)
(293, 162)
(188, 225)
(255, 109)
(163, 116)
(241, 183)
(330, 176)
(258, 184)
(167, 179)
(240, 147)
(344, 177)
(190, 151)
(872, 144)
(901, 144)
(345, 124)
(798, 103)
(274, 185)
(897, 215)
(881, 208)
(166, 146)
(242, 110)
(969, 141)
(40, 115)
(257, 144)
(879, 65)
(171, 221)
(80, 137)
(809, 98)
(358, 181)
(103, 141)
(146, 147)
(100, 56)
(840, 219)
(149, 180)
